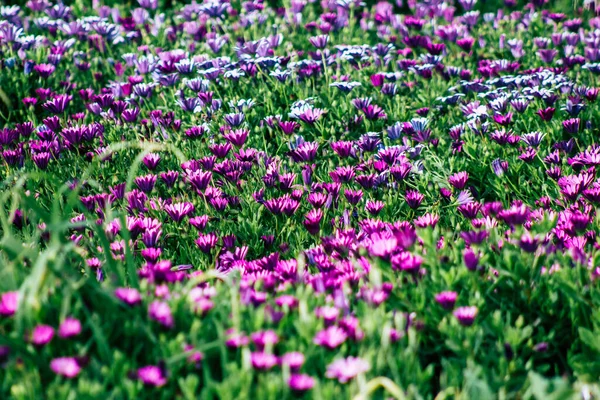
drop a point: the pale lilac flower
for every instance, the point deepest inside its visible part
(331, 337)
(345, 369)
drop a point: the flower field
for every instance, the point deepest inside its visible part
(327, 199)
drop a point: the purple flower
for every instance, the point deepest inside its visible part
(42, 335)
(414, 198)
(288, 127)
(235, 119)
(44, 70)
(466, 315)
(503, 120)
(42, 159)
(169, 177)
(572, 125)
(161, 312)
(206, 242)
(58, 104)
(311, 115)
(446, 299)
(459, 180)
(546, 114)
(469, 210)
(146, 183)
(533, 139)
(65, 366)
(331, 337)
(346, 369)
(151, 375)
(312, 221)
(471, 259)
(151, 161)
(263, 339)
(128, 296)
(293, 360)
(320, 42)
(373, 112)
(353, 196)
(69, 328)
(263, 361)
(528, 243)
(406, 261)
(306, 152)
(541, 347)
(196, 131)
(178, 211)
(547, 55)
(374, 207)
(235, 340)
(500, 167)
(427, 220)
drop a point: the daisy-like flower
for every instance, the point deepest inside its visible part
(65, 366)
(151, 375)
(346, 369)
(466, 315)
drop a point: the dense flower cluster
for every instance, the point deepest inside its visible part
(308, 199)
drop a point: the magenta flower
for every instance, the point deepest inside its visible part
(206, 242)
(311, 115)
(44, 70)
(346, 369)
(263, 339)
(263, 361)
(312, 221)
(374, 207)
(293, 360)
(414, 198)
(373, 112)
(427, 220)
(69, 328)
(331, 337)
(466, 315)
(151, 375)
(301, 382)
(446, 299)
(235, 340)
(9, 303)
(128, 296)
(65, 366)
(42, 335)
(161, 312)
(546, 114)
(195, 356)
(459, 180)
(288, 127)
(503, 120)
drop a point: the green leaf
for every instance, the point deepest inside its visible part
(589, 339)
